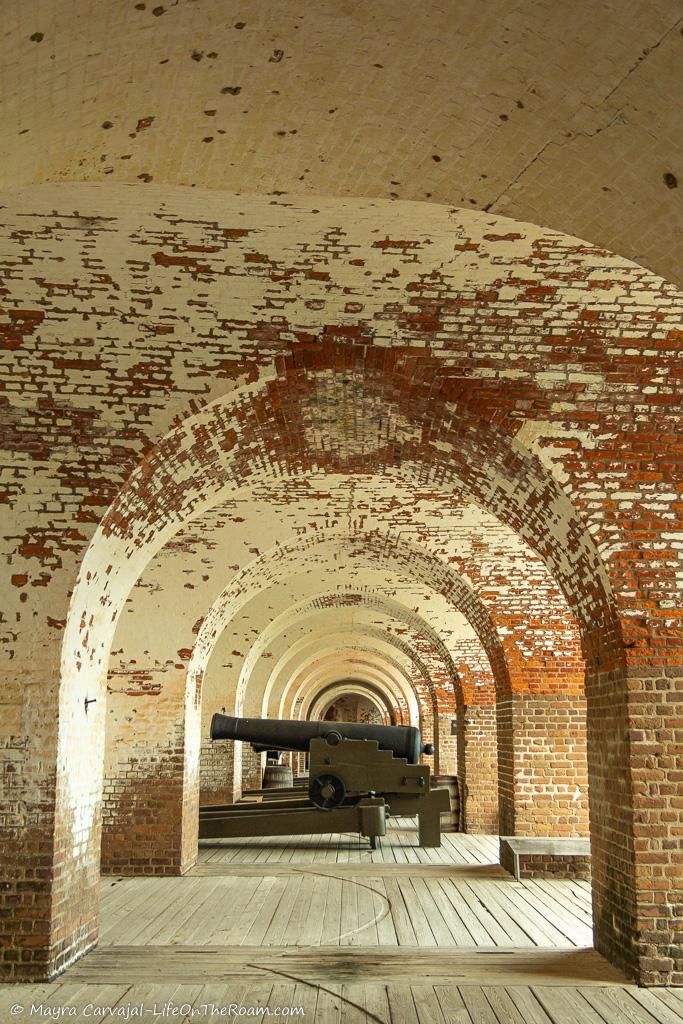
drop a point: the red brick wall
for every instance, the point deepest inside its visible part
(148, 825)
(27, 865)
(448, 745)
(142, 813)
(252, 768)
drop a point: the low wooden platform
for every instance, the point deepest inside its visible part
(399, 935)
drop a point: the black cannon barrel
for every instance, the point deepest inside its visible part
(401, 740)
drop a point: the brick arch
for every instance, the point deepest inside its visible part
(318, 659)
(361, 659)
(188, 470)
(514, 669)
(372, 638)
(433, 698)
(326, 697)
(519, 319)
(284, 561)
(433, 428)
(308, 617)
(375, 548)
(324, 694)
(298, 615)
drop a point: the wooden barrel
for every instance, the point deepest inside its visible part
(450, 820)
(277, 776)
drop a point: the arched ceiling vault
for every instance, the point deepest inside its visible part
(352, 648)
(138, 506)
(413, 692)
(378, 559)
(337, 99)
(359, 685)
(409, 388)
(356, 688)
(368, 646)
(299, 577)
(325, 693)
(416, 605)
(467, 431)
(378, 662)
(457, 544)
(327, 606)
(357, 643)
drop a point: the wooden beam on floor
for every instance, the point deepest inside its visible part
(356, 870)
(341, 965)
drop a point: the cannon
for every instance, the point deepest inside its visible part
(276, 734)
(358, 775)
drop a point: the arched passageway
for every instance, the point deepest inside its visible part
(444, 358)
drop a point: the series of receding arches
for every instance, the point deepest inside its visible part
(166, 490)
(446, 526)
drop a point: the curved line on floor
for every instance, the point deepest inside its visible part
(352, 931)
(367, 1014)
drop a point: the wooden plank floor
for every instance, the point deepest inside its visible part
(398, 935)
(326, 1002)
(398, 847)
(348, 909)
(350, 895)
(386, 964)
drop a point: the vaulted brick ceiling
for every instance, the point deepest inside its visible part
(548, 112)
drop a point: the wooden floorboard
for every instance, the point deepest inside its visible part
(399, 846)
(371, 964)
(425, 905)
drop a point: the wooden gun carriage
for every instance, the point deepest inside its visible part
(358, 775)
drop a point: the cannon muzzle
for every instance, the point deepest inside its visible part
(274, 734)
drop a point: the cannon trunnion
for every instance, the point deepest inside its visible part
(359, 774)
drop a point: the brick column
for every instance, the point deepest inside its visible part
(217, 772)
(252, 767)
(220, 765)
(634, 729)
(542, 768)
(150, 797)
(27, 843)
(49, 827)
(477, 768)
(448, 745)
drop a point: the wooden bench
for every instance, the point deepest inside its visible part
(538, 857)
